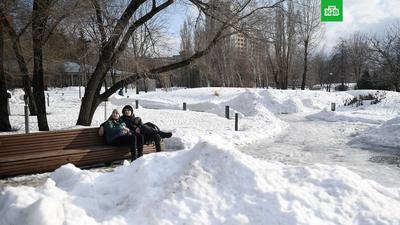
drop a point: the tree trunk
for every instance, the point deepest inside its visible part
(91, 98)
(21, 63)
(303, 82)
(39, 20)
(4, 117)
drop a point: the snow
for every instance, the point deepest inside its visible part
(386, 135)
(209, 184)
(212, 174)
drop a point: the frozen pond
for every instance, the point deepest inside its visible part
(313, 141)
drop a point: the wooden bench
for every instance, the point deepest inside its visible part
(46, 151)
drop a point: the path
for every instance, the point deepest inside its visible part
(313, 141)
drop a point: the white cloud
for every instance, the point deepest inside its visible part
(368, 16)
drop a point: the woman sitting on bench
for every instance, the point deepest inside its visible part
(118, 134)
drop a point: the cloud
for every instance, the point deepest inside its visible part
(367, 16)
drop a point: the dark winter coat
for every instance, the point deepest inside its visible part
(132, 122)
(114, 129)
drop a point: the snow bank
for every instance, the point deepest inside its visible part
(364, 117)
(209, 184)
(387, 134)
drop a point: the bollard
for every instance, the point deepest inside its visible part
(184, 106)
(136, 104)
(227, 112)
(26, 110)
(48, 100)
(105, 110)
(333, 106)
(236, 121)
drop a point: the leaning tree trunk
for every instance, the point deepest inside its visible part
(303, 82)
(39, 20)
(91, 98)
(4, 117)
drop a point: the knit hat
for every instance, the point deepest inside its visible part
(114, 111)
(128, 107)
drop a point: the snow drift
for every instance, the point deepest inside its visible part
(209, 184)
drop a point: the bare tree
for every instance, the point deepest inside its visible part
(310, 29)
(4, 117)
(284, 43)
(116, 42)
(22, 63)
(358, 54)
(387, 52)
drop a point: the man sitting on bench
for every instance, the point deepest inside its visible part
(149, 132)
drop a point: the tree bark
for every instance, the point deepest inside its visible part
(4, 117)
(303, 82)
(39, 21)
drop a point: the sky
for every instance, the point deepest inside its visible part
(368, 16)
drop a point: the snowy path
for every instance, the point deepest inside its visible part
(313, 141)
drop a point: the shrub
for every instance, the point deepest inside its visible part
(358, 101)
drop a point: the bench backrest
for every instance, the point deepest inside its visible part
(49, 141)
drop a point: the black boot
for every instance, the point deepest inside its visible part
(165, 134)
(132, 146)
(157, 140)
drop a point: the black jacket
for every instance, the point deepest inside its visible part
(132, 122)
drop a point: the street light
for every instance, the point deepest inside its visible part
(330, 81)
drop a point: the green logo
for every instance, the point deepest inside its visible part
(331, 10)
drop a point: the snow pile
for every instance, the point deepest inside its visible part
(385, 110)
(208, 184)
(215, 99)
(294, 101)
(364, 117)
(387, 134)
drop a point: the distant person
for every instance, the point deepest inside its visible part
(118, 134)
(149, 132)
(121, 92)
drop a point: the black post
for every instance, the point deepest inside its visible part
(236, 121)
(105, 109)
(227, 112)
(26, 110)
(8, 104)
(136, 104)
(333, 106)
(184, 106)
(48, 100)
(137, 88)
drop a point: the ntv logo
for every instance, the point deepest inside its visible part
(331, 11)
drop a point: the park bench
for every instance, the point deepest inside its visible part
(46, 151)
